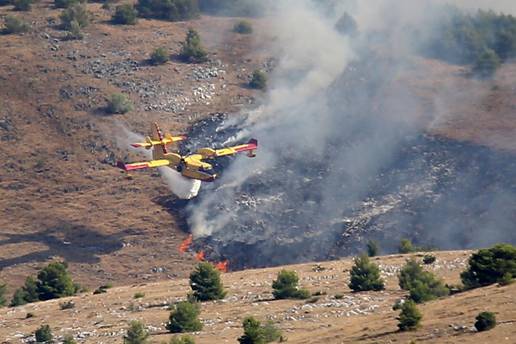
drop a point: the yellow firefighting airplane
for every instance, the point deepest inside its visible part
(190, 166)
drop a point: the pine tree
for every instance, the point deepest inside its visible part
(365, 275)
(286, 286)
(136, 333)
(206, 284)
(410, 317)
(184, 318)
(192, 50)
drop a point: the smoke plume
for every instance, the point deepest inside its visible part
(343, 147)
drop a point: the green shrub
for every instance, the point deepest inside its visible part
(489, 266)
(26, 294)
(68, 339)
(74, 31)
(205, 283)
(410, 317)
(406, 246)
(243, 27)
(286, 286)
(258, 80)
(54, 281)
(463, 38)
(429, 259)
(119, 104)
(43, 334)
(184, 318)
(422, 285)
(125, 15)
(365, 275)
(136, 333)
(65, 3)
(256, 333)
(139, 295)
(236, 8)
(22, 5)
(172, 10)
(372, 248)
(3, 300)
(485, 321)
(159, 56)
(339, 296)
(15, 25)
(486, 64)
(182, 340)
(76, 12)
(192, 51)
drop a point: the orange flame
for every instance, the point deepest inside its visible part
(199, 256)
(223, 266)
(185, 245)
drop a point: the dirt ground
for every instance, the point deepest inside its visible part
(365, 317)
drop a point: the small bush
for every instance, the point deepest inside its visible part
(29, 315)
(205, 283)
(182, 340)
(22, 5)
(67, 305)
(422, 285)
(373, 248)
(136, 333)
(65, 3)
(43, 334)
(68, 339)
(398, 304)
(410, 317)
(486, 64)
(119, 104)
(3, 300)
(406, 246)
(159, 56)
(138, 295)
(485, 321)
(172, 10)
(489, 266)
(15, 25)
(429, 259)
(256, 333)
(339, 296)
(243, 27)
(26, 294)
(192, 50)
(184, 318)
(365, 275)
(75, 31)
(258, 80)
(286, 286)
(125, 15)
(76, 12)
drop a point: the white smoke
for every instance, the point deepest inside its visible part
(184, 188)
(302, 114)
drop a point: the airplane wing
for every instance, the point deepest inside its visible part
(141, 165)
(149, 143)
(250, 147)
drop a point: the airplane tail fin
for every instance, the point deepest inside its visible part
(253, 143)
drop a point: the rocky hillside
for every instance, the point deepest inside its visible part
(336, 316)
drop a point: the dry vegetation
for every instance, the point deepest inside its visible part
(354, 317)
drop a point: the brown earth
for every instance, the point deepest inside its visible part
(59, 195)
(365, 317)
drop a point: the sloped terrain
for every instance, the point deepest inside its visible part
(60, 196)
(365, 317)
